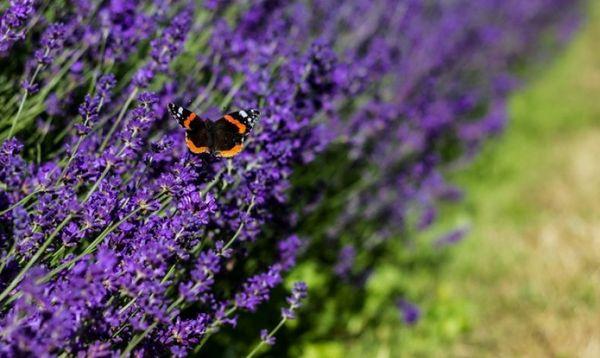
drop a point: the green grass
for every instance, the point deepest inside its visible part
(527, 267)
(521, 283)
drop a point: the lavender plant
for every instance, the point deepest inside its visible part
(117, 241)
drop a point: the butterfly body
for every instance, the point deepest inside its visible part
(223, 137)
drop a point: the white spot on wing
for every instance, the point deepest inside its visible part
(243, 114)
(180, 110)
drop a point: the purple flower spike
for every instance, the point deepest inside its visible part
(345, 262)
(52, 41)
(410, 312)
(12, 23)
(116, 240)
(299, 292)
(264, 336)
(256, 290)
(451, 237)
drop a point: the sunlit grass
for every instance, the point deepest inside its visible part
(528, 268)
(525, 281)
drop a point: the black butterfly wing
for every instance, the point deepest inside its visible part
(227, 137)
(244, 120)
(198, 134)
(198, 137)
(184, 116)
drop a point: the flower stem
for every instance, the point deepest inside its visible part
(211, 83)
(271, 334)
(232, 92)
(210, 330)
(119, 118)
(71, 157)
(89, 249)
(20, 202)
(95, 186)
(34, 259)
(6, 258)
(100, 62)
(77, 145)
(22, 104)
(212, 182)
(240, 228)
(137, 339)
(16, 117)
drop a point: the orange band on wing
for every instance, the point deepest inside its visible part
(231, 152)
(241, 127)
(188, 120)
(194, 149)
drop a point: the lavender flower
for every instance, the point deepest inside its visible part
(115, 240)
(266, 338)
(409, 311)
(345, 261)
(294, 300)
(288, 313)
(165, 48)
(451, 237)
(256, 289)
(52, 40)
(12, 23)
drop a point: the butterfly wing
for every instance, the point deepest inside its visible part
(184, 116)
(198, 137)
(230, 131)
(228, 136)
(244, 120)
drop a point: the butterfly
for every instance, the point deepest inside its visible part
(223, 138)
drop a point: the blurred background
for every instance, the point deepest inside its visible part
(525, 281)
(421, 224)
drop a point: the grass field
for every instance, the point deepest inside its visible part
(526, 280)
(531, 268)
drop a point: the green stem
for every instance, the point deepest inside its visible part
(113, 128)
(209, 86)
(89, 249)
(134, 299)
(232, 92)
(71, 157)
(271, 334)
(44, 91)
(22, 104)
(100, 63)
(75, 56)
(95, 186)
(20, 202)
(34, 259)
(6, 258)
(210, 330)
(77, 145)
(213, 182)
(229, 169)
(137, 339)
(16, 117)
(240, 228)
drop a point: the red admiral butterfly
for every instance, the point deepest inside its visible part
(223, 137)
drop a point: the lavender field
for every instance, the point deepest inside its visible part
(335, 222)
